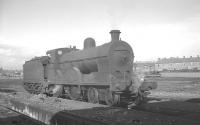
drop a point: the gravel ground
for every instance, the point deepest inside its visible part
(9, 117)
(171, 90)
(170, 111)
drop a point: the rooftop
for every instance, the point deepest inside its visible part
(178, 60)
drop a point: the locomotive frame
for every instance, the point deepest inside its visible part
(94, 74)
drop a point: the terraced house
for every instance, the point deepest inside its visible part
(180, 64)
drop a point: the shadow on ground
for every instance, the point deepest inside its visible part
(154, 114)
(17, 120)
(194, 100)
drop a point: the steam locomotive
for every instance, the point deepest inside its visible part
(95, 74)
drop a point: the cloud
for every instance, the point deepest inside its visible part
(6, 52)
(166, 39)
(158, 28)
(164, 11)
(12, 57)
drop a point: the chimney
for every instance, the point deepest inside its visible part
(115, 35)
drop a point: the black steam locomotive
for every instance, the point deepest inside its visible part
(95, 74)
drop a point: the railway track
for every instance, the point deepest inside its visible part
(53, 111)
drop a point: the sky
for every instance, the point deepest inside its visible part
(154, 28)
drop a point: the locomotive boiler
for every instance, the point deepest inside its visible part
(95, 74)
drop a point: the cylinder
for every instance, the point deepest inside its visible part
(88, 66)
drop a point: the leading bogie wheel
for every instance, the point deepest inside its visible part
(111, 98)
(75, 93)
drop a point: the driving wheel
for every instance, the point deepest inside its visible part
(93, 95)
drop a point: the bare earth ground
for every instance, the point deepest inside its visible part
(177, 88)
(11, 84)
(182, 89)
(8, 117)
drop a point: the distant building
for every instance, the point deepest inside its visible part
(146, 66)
(169, 64)
(5, 73)
(178, 64)
(1, 70)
